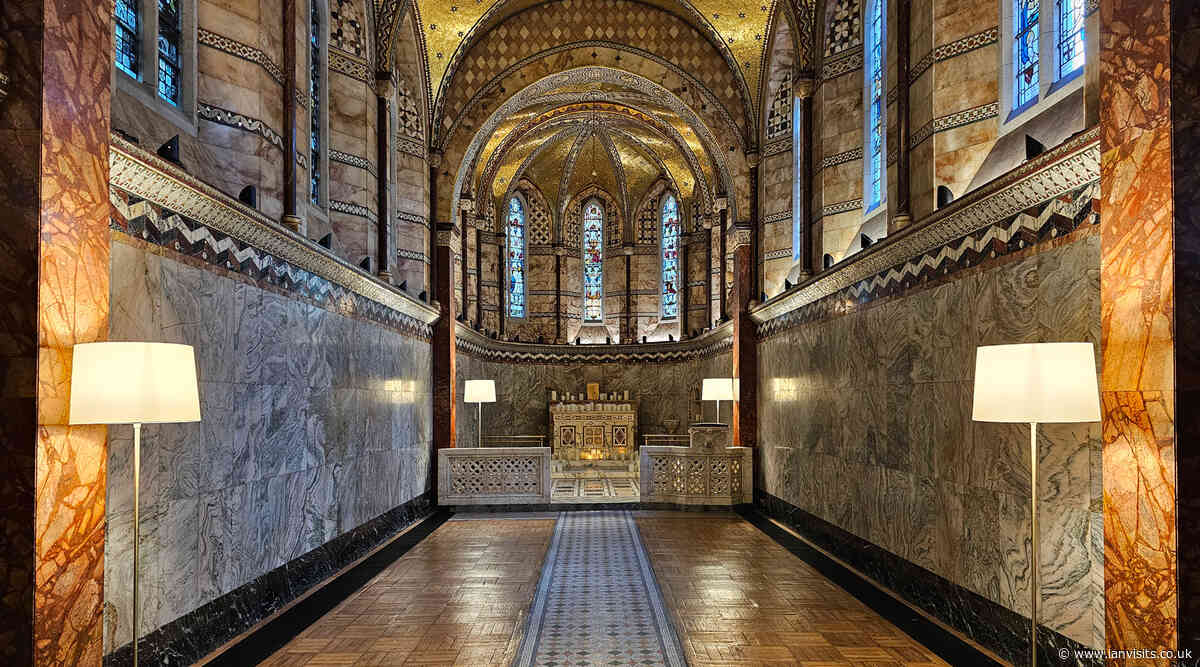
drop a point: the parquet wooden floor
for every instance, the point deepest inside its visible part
(739, 598)
(457, 598)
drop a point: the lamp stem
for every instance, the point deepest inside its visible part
(480, 404)
(1035, 581)
(137, 474)
(718, 419)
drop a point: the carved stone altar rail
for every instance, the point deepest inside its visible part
(493, 475)
(685, 476)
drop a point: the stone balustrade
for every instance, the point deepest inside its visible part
(494, 475)
(706, 473)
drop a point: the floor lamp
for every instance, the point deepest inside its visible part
(480, 392)
(718, 389)
(1040, 383)
(134, 383)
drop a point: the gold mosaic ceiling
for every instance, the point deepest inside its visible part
(741, 25)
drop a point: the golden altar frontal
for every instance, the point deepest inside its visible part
(594, 430)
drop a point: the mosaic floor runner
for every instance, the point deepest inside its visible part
(597, 601)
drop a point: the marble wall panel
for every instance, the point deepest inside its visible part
(313, 425)
(865, 423)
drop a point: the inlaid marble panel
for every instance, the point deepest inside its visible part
(313, 425)
(865, 422)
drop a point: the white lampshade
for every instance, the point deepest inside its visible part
(718, 389)
(1045, 383)
(132, 383)
(480, 391)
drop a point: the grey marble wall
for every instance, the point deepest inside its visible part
(313, 424)
(663, 391)
(865, 421)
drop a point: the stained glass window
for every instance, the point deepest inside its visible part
(1025, 17)
(126, 43)
(315, 80)
(593, 261)
(170, 29)
(670, 258)
(1070, 36)
(875, 104)
(516, 258)
(797, 184)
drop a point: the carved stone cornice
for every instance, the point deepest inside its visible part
(1072, 165)
(139, 173)
(472, 343)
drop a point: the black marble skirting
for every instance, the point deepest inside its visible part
(590, 507)
(988, 624)
(194, 635)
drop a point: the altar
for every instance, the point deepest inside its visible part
(602, 429)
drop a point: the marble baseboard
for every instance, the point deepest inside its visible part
(1000, 630)
(194, 635)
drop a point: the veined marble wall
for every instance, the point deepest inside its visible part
(313, 425)
(865, 422)
(663, 391)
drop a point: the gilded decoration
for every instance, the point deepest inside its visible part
(737, 27)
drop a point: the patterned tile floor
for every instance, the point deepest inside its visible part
(739, 598)
(464, 595)
(597, 602)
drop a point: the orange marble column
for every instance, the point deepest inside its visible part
(54, 284)
(1138, 381)
(745, 344)
(444, 384)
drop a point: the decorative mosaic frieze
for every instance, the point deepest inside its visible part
(411, 147)
(412, 219)
(778, 146)
(229, 118)
(954, 49)
(782, 253)
(351, 67)
(350, 208)
(840, 158)
(842, 207)
(951, 121)
(997, 219)
(476, 345)
(140, 175)
(781, 216)
(413, 255)
(851, 62)
(239, 50)
(158, 226)
(352, 160)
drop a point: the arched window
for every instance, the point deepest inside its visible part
(797, 179)
(875, 154)
(316, 80)
(593, 261)
(516, 257)
(170, 32)
(1069, 30)
(1025, 51)
(670, 258)
(127, 42)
